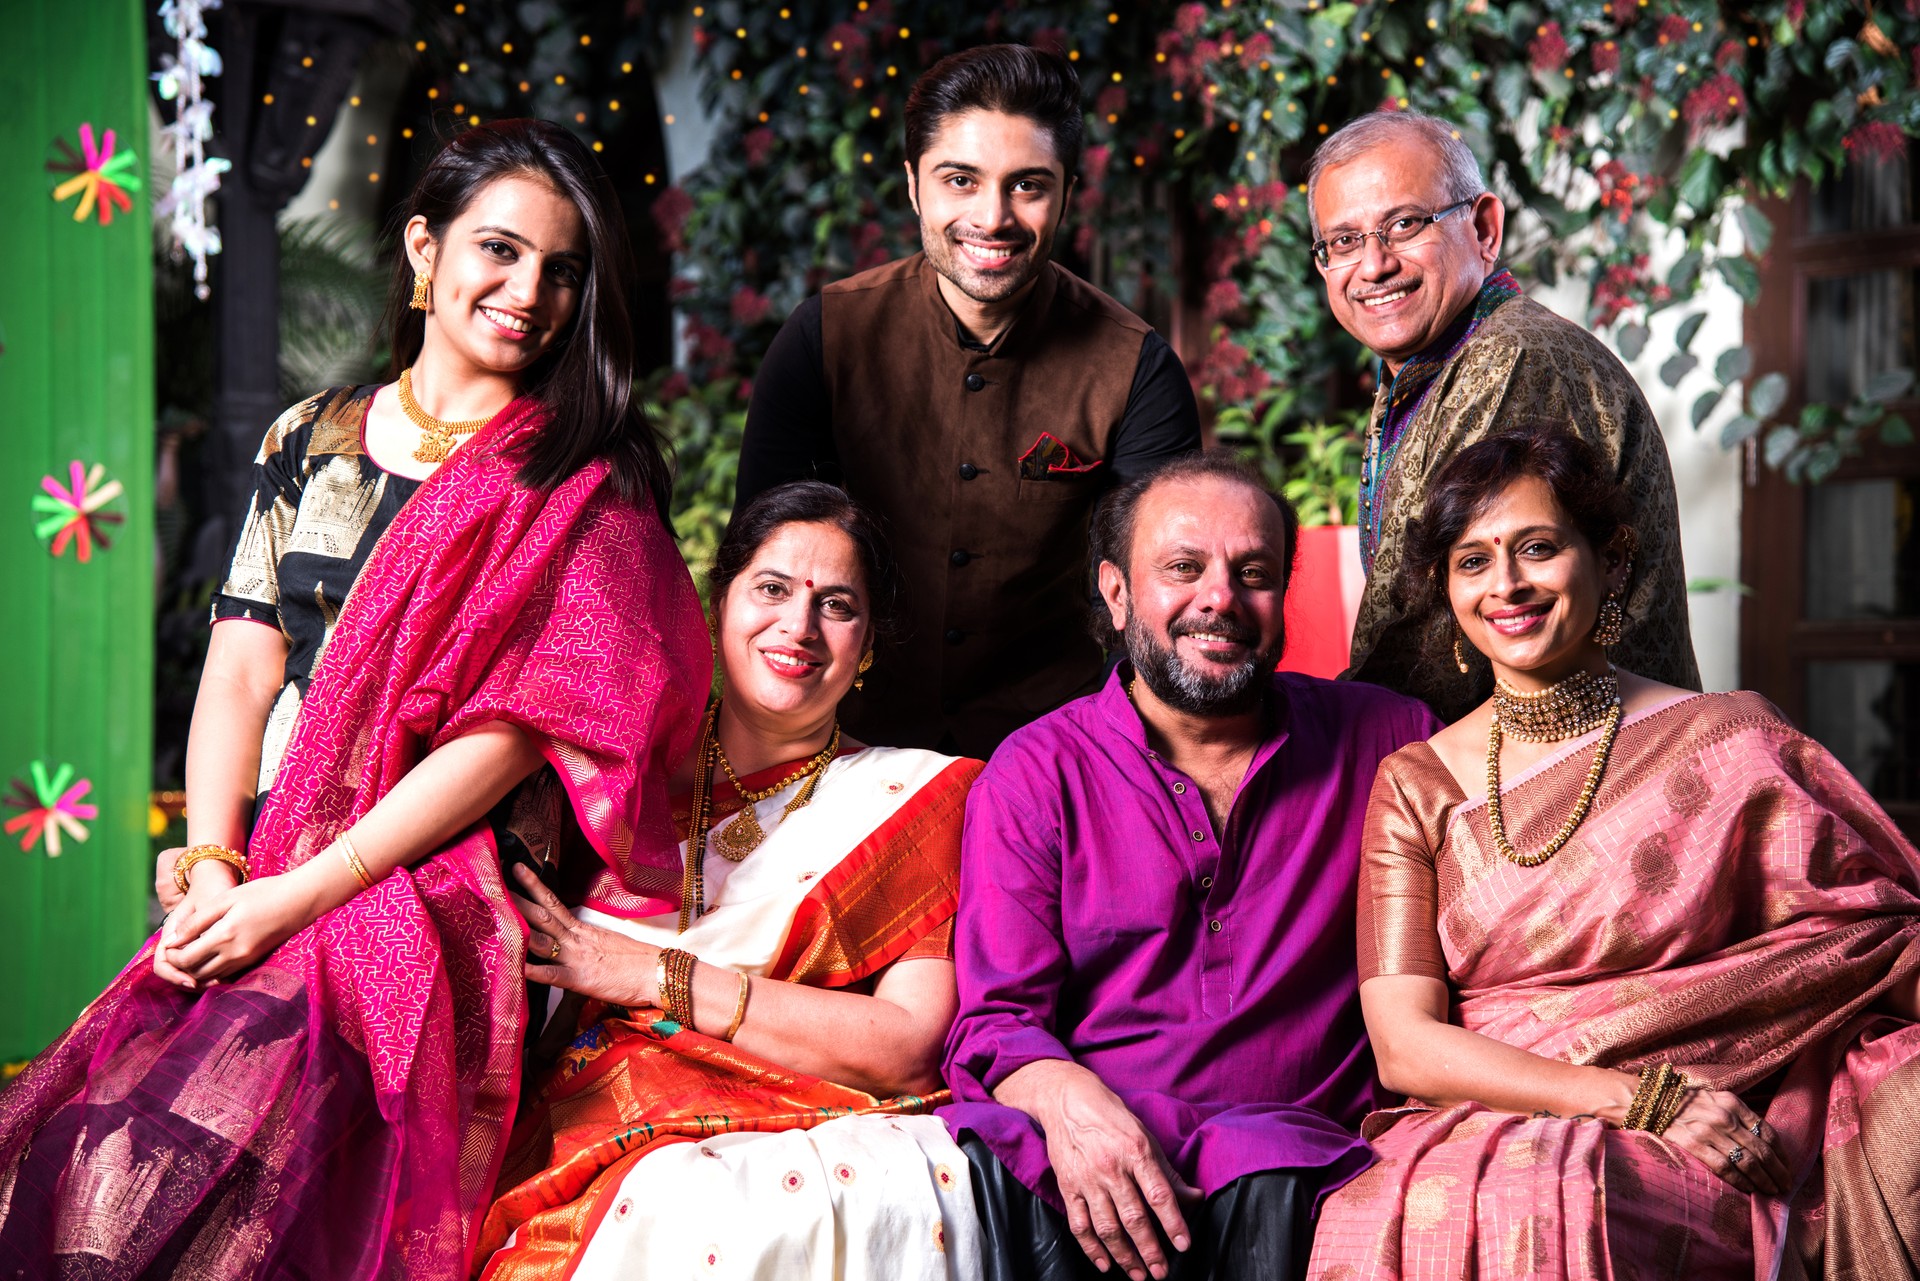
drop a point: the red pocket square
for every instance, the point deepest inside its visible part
(1049, 458)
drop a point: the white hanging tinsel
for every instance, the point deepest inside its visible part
(196, 177)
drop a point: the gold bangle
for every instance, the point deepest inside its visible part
(676, 993)
(660, 980)
(739, 1011)
(1670, 1106)
(354, 865)
(183, 865)
(1655, 1079)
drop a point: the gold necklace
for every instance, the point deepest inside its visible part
(1580, 807)
(437, 439)
(743, 836)
(1565, 709)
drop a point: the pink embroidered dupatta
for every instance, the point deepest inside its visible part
(341, 1109)
(1734, 904)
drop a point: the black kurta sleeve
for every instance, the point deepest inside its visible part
(1161, 420)
(789, 432)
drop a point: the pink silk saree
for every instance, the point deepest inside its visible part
(1735, 904)
(341, 1110)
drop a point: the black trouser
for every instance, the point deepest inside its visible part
(1257, 1228)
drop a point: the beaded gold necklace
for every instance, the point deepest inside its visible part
(438, 436)
(1564, 710)
(743, 836)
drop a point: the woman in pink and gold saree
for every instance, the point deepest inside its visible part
(1646, 960)
(747, 1090)
(455, 627)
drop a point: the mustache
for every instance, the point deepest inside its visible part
(1225, 628)
(1393, 286)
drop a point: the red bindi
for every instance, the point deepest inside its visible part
(1496, 543)
(809, 582)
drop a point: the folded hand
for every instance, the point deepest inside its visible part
(566, 952)
(219, 933)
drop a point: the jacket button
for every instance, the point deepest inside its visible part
(1214, 926)
(975, 382)
(955, 635)
(968, 471)
(960, 557)
(1206, 882)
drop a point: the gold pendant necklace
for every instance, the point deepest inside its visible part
(438, 437)
(743, 836)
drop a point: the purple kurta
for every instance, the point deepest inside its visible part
(1209, 982)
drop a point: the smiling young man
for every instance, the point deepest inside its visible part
(980, 398)
(1159, 1062)
(1407, 238)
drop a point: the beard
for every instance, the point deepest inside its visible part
(943, 251)
(1203, 688)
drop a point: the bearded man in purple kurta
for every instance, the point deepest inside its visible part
(1159, 1061)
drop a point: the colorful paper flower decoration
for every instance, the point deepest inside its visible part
(101, 177)
(72, 514)
(49, 806)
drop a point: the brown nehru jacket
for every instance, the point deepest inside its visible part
(985, 464)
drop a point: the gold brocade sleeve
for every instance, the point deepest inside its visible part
(1399, 926)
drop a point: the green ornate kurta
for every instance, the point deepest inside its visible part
(1525, 363)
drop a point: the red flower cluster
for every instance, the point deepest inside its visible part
(1674, 29)
(1617, 187)
(1548, 49)
(1729, 53)
(670, 210)
(1255, 47)
(1094, 162)
(756, 145)
(1112, 101)
(1875, 140)
(674, 386)
(1223, 299)
(1624, 285)
(1230, 370)
(1719, 101)
(869, 246)
(1187, 19)
(1606, 57)
(707, 345)
(749, 306)
(1243, 200)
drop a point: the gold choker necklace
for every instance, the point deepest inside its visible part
(438, 437)
(1566, 709)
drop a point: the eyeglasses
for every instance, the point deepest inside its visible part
(1395, 233)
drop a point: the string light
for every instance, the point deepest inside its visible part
(354, 101)
(267, 98)
(306, 62)
(406, 133)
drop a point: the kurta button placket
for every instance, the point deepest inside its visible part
(1214, 926)
(960, 557)
(1179, 789)
(1206, 882)
(1199, 835)
(968, 471)
(975, 382)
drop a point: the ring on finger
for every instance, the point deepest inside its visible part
(554, 955)
(1754, 1129)
(1737, 1155)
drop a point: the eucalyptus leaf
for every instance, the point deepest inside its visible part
(1738, 430)
(1678, 366)
(1894, 430)
(1742, 276)
(1704, 404)
(1779, 445)
(1685, 270)
(1756, 226)
(1767, 394)
(1733, 364)
(1684, 335)
(1888, 384)
(1632, 340)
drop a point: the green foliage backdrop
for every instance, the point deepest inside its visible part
(1610, 123)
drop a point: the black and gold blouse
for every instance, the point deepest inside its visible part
(320, 504)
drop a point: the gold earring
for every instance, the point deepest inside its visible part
(420, 282)
(866, 661)
(1459, 656)
(1611, 624)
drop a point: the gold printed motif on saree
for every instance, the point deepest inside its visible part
(103, 1197)
(253, 575)
(1427, 1202)
(223, 1094)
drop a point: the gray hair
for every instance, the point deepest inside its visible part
(1458, 166)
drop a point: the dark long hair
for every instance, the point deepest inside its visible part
(810, 502)
(1581, 482)
(1009, 78)
(586, 379)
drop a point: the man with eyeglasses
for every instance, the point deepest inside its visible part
(1407, 238)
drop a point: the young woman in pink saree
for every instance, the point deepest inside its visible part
(464, 579)
(1645, 959)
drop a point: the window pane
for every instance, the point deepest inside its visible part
(1858, 326)
(1864, 197)
(1863, 555)
(1868, 715)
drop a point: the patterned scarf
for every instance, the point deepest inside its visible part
(1406, 391)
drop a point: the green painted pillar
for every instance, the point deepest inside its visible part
(76, 385)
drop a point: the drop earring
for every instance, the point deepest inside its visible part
(1611, 624)
(421, 281)
(866, 661)
(1459, 655)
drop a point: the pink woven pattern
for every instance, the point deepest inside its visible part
(568, 613)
